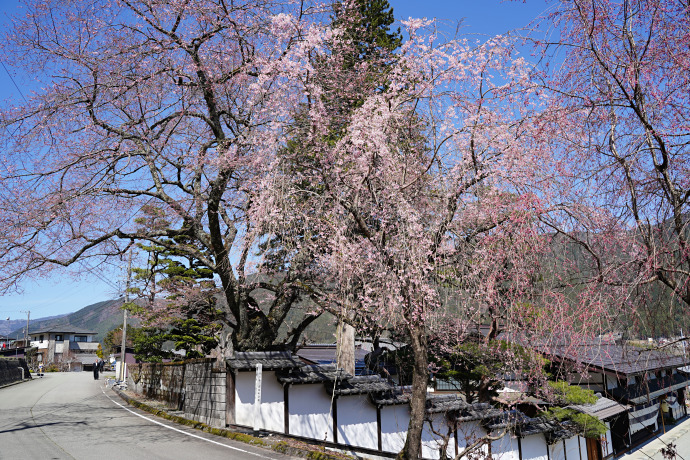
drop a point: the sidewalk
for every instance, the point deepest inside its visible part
(677, 435)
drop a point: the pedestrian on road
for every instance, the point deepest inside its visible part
(95, 370)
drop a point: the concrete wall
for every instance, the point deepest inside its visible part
(10, 371)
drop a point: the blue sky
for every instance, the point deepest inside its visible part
(64, 293)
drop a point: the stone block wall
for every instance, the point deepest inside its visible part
(193, 386)
(10, 371)
(161, 381)
(205, 393)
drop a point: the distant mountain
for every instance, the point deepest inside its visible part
(99, 317)
(17, 325)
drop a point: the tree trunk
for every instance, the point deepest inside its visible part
(420, 377)
(346, 347)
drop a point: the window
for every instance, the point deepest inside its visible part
(58, 337)
(80, 338)
(40, 338)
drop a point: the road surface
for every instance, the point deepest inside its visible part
(72, 416)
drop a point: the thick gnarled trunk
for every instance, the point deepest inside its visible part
(420, 377)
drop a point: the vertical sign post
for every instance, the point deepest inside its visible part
(257, 398)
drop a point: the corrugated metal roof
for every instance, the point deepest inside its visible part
(615, 358)
(603, 409)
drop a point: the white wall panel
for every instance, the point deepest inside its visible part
(310, 407)
(394, 423)
(357, 422)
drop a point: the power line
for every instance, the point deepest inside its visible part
(13, 82)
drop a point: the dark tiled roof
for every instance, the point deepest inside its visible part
(620, 359)
(390, 398)
(505, 419)
(552, 430)
(560, 430)
(326, 353)
(444, 403)
(651, 389)
(67, 329)
(476, 411)
(270, 360)
(604, 408)
(364, 384)
(312, 374)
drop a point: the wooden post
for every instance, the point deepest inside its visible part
(229, 397)
(378, 427)
(286, 408)
(335, 419)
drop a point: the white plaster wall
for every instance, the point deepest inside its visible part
(272, 406)
(572, 448)
(272, 403)
(357, 421)
(607, 445)
(468, 433)
(557, 451)
(583, 447)
(534, 448)
(431, 443)
(394, 423)
(310, 407)
(244, 398)
(505, 448)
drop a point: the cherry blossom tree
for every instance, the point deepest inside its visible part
(431, 185)
(619, 75)
(177, 105)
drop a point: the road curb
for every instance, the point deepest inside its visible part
(281, 446)
(14, 383)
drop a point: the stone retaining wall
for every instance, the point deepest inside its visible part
(10, 371)
(205, 393)
(193, 386)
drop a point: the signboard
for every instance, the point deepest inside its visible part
(257, 398)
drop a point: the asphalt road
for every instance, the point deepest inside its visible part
(679, 436)
(73, 416)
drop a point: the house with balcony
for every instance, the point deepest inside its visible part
(650, 382)
(69, 347)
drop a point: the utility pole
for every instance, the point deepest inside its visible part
(26, 335)
(124, 321)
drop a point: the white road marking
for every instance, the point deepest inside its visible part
(184, 432)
